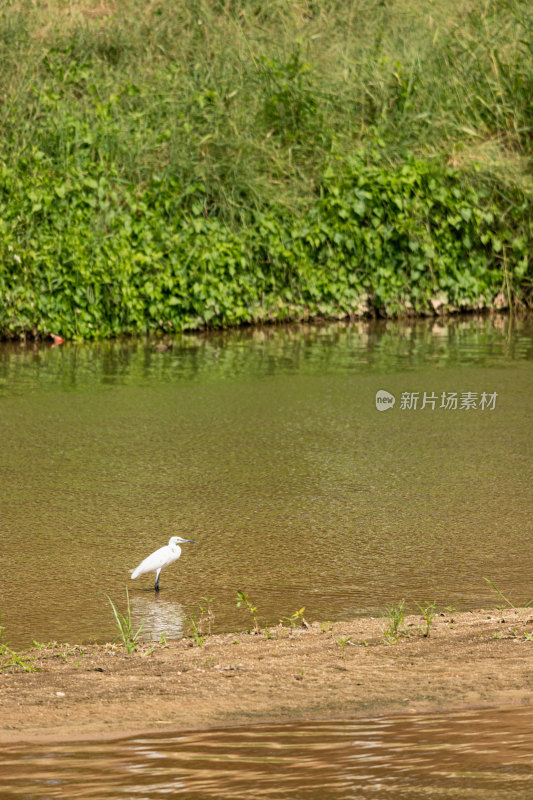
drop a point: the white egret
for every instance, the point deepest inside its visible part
(161, 558)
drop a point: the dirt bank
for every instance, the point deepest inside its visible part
(481, 657)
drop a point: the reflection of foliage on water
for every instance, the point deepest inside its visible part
(334, 347)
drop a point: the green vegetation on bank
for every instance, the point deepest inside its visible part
(170, 165)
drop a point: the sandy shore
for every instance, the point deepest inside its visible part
(340, 670)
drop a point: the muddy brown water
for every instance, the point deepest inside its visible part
(267, 448)
(483, 753)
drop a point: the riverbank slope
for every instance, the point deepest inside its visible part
(167, 166)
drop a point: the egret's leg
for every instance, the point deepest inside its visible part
(157, 574)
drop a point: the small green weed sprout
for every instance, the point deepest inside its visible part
(161, 643)
(450, 609)
(508, 603)
(9, 658)
(207, 614)
(66, 650)
(124, 624)
(295, 619)
(342, 642)
(396, 615)
(196, 632)
(243, 600)
(197, 628)
(528, 636)
(428, 612)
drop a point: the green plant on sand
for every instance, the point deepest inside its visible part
(295, 619)
(9, 659)
(244, 601)
(428, 611)
(396, 616)
(124, 623)
(508, 603)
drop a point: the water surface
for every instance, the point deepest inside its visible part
(267, 448)
(482, 754)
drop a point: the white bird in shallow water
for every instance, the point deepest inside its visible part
(161, 558)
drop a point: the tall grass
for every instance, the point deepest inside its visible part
(252, 98)
(124, 623)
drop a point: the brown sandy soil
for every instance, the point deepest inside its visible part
(474, 658)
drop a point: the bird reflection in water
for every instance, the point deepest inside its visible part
(159, 617)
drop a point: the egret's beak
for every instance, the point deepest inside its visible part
(192, 541)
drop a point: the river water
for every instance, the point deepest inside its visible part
(267, 448)
(478, 754)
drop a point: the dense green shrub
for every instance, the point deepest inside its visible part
(91, 257)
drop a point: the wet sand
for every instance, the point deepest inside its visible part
(340, 670)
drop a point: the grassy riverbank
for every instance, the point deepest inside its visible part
(168, 165)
